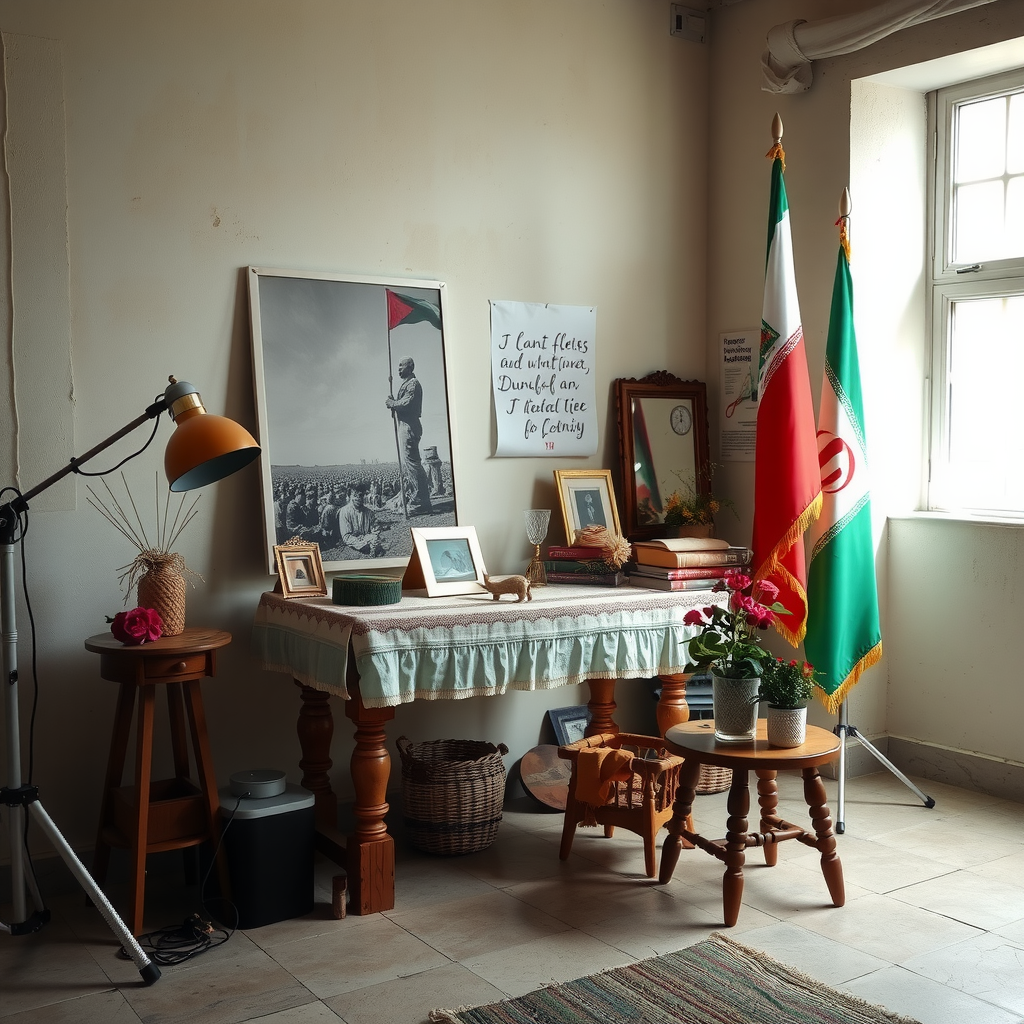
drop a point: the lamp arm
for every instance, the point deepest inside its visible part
(10, 511)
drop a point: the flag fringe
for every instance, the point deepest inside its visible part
(832, 701)
(777, 153)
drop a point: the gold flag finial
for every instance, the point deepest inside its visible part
(845, 206)
(777, 151)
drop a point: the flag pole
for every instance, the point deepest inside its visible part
(394, 415)
(843, 728)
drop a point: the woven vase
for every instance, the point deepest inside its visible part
(162, 588)
(735, 708)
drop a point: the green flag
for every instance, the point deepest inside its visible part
(843, 635)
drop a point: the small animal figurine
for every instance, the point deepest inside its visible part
(518, 585)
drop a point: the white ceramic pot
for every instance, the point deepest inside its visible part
(787, 727)
(735, 708)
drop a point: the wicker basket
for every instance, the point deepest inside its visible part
(453, 791)
(713, 779)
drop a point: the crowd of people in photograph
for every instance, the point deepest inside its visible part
(343, 509)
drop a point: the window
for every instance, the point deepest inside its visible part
(977, 285)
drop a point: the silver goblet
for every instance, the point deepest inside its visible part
(537, 520)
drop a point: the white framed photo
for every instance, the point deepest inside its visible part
(451, 560)
(354, 420)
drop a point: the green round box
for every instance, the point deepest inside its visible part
(366, 590)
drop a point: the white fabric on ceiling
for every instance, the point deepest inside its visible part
(786, 64)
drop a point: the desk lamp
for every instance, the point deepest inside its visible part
(202, 450)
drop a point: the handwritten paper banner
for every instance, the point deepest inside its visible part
(542, 377)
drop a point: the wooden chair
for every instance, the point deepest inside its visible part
(641, 804)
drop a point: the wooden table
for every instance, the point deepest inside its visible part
(169, 814)
(695, 741)
(377, 658)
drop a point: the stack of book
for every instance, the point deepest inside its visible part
(685, 563)
(581, 565)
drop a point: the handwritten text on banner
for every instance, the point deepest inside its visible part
(542, 376)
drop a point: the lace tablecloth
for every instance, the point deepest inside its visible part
(453, 647)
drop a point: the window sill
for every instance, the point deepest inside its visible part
(973, 518)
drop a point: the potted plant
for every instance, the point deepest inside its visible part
(691, 512)
(728, 646)
(786, 687)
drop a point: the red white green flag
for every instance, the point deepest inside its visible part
(843, 634)
(404, 309)
(787, 484)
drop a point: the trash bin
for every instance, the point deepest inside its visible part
(268, 843)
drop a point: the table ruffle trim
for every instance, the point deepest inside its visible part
(308, 680)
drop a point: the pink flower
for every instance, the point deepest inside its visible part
(767, 592)
(137, 626)
(694, 617)
(736, 580)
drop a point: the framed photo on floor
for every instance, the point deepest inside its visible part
(570, 724)
(353, 414)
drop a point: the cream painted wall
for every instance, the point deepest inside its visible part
(940, 584)
(527, 150)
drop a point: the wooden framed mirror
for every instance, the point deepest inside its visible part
(663, 447)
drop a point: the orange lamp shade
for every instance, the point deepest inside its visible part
(205, 448)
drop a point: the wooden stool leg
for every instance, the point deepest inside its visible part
(207, 776)
(689, 772)
(140, 836)
(115, 772)
(735, 846)
(602, 707)
(572, 817)
(768, 799)
(179, 743)
(831, 866)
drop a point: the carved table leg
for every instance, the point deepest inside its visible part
(680, 820)
(735, 846)
(768, 798)
(672, 707)
(371, 851)
(316, 729)
(602, 706)
(831, 866)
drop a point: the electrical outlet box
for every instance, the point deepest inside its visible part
(688, 23)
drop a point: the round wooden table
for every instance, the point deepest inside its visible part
(695, 742)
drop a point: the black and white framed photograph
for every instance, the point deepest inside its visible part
(570, 724)
(300, 570)
(587, 499)
(451, 560)
(354, 418)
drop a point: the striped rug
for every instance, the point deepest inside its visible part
(717, 981)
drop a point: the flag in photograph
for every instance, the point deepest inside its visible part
(404, 309)
(787, 482)
(843, 635)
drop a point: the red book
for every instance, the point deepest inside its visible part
(584, 554)
(693, 572)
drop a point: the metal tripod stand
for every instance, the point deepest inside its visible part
(844, 729)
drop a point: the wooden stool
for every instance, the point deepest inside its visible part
(168, 814)
(642, 804)
(695, 741)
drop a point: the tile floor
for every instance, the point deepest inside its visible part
(933, 926)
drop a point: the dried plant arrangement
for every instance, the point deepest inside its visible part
(157, 571)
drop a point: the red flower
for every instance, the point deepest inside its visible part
(694, 617)
(137, 626)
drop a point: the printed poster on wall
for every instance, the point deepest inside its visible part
(542, 378)
(740, 353)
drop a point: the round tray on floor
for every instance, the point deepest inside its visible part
(546, 776)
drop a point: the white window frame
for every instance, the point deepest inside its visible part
(951, 281)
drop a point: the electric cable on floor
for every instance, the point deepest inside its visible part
(174, 944)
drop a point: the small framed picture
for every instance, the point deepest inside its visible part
(300, 570)
(450, 558)
(570, 724)
(587, 499)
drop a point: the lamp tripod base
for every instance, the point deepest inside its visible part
(843, 730)
(26, 797)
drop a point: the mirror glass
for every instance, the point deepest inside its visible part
(663, 444)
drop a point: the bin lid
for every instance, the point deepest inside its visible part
(294, 798)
